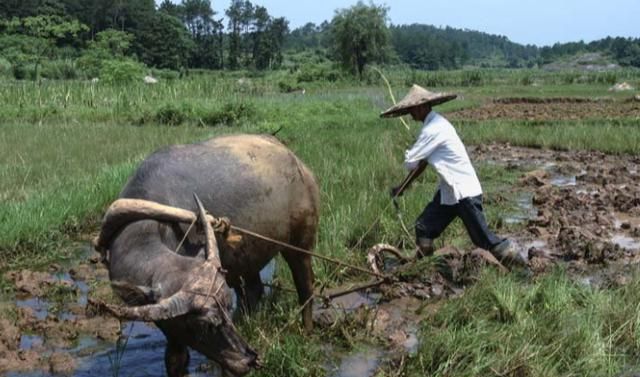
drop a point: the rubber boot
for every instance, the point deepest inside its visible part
(507, 254)
(425, 247)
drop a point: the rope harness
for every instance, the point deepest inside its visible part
(223, 226)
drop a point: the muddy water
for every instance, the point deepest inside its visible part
(46, 329)
(359, 364)
(142, 355)
(523, 209)
(390, 320)
(626, 242)
(386, 323)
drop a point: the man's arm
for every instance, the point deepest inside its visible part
(413, 174)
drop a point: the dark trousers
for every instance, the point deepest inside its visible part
(436, 217)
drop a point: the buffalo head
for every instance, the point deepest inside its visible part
(198, 315)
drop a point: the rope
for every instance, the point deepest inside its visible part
(372, 284)
(303, 251)
(185, 235)
(395, 204)
(370, 228)
(393, 99)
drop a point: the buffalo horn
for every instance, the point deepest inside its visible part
(124, 211)
(211, 244)
(171, 307)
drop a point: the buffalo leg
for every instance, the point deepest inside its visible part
(300, 266)
(176, 359)
(249, 293)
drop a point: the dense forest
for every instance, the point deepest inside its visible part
(85, 38)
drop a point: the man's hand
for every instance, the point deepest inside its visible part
(413, 174)
(396, 192)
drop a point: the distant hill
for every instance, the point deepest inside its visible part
(429, 47)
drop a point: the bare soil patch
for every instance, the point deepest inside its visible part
(549, 109)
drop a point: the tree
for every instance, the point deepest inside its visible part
(304, 37)
(172, 9)
(247, 15)
(44, 31)
(197, 15)
(99, 15)
(108, 45)
(163, 42)
(241, 14)
(277, 33)
(262, 43)
(30, 8)
(360, 36)
(205, 32)
(234, 13)
(114, 42)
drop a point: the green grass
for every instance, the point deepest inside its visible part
(552, 327)
(67, 148)
(55, 177)
(37, 157)
(615, 136)
(479, 78)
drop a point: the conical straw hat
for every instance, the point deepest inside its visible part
(417, 96)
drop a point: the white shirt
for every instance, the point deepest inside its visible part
(441, 146)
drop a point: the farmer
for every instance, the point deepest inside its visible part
(459, 193)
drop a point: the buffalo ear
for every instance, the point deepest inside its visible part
(135, 295)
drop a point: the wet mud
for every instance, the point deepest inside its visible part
(584, 210)
(580, 210)
(549, 109)
(383, 323)
(47, 329)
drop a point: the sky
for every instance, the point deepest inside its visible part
(539, 22)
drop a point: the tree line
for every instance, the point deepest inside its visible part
(190, 34)
(428, 47)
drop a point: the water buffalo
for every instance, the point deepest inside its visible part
(161, 269)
